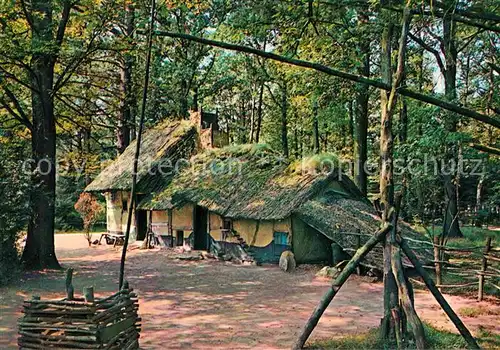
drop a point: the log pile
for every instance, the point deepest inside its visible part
(81, 323)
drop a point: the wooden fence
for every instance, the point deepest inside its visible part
(472, 267)
(81, 323)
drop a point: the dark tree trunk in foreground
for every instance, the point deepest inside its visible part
(284, 129)
(398, 295)
(39, 251)
(361, 113)
(386, 183)
(126, 116)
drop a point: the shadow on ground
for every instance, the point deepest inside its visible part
(210, 304)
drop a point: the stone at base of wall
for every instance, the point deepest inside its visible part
(287, 261)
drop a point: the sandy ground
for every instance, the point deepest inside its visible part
(209, 304)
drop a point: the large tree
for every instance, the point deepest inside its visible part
(36, 65)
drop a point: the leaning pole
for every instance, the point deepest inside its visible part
(337, 284)
(437, 294)
(133, 190)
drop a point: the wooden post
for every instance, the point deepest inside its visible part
(70, 291)
(437, 260)
(125, 285)
(358, 245)
(484, 266)
(337, 284)
(133, 190)
(437, 294)
(88, 294)
(170, 228)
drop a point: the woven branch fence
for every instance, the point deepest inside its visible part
(81, 323)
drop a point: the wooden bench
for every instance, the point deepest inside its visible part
(112, 237)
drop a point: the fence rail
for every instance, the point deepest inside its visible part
(475, 265)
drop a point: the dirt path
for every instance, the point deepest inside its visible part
(210, 304)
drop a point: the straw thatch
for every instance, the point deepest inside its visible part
(254, 182)
(166, 142)
(248, 182)
(350, 223)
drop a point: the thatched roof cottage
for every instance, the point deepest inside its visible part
(244, 201)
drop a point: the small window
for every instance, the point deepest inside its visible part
(114, 196)
(180, 238)
(227, 227)
(281, 238)
(227, 224)
(125, 205)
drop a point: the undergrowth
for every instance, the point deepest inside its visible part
(436, 339)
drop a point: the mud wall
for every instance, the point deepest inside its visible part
(117, 211)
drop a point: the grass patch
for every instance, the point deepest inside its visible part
(475, 311)
(436, 339)
(473, 236)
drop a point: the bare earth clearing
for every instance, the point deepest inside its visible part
(209, 304)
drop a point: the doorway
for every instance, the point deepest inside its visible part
(142, 224)
(200, 228)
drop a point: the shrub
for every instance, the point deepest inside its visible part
(89, 209)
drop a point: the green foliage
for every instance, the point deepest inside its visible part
(246, 91)
(14, 208)
(67, 192)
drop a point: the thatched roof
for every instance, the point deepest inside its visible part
(166, 142)
(345, 219)
(254, 182)
(249, 182)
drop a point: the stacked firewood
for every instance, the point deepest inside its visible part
(81, 323)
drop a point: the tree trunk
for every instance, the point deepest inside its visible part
(398, 295)
(133, 189)
(252, 120)
(87, 150)
(361, 112)
(284, 132)
(259, 113)
(195, 99)
(296, 142)
(243, 129)
(125, 117)
(451, 226)
(123, 129)
(184, 108)
(352, 135)
(387, 184)
(316, 147)
(39, 251)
